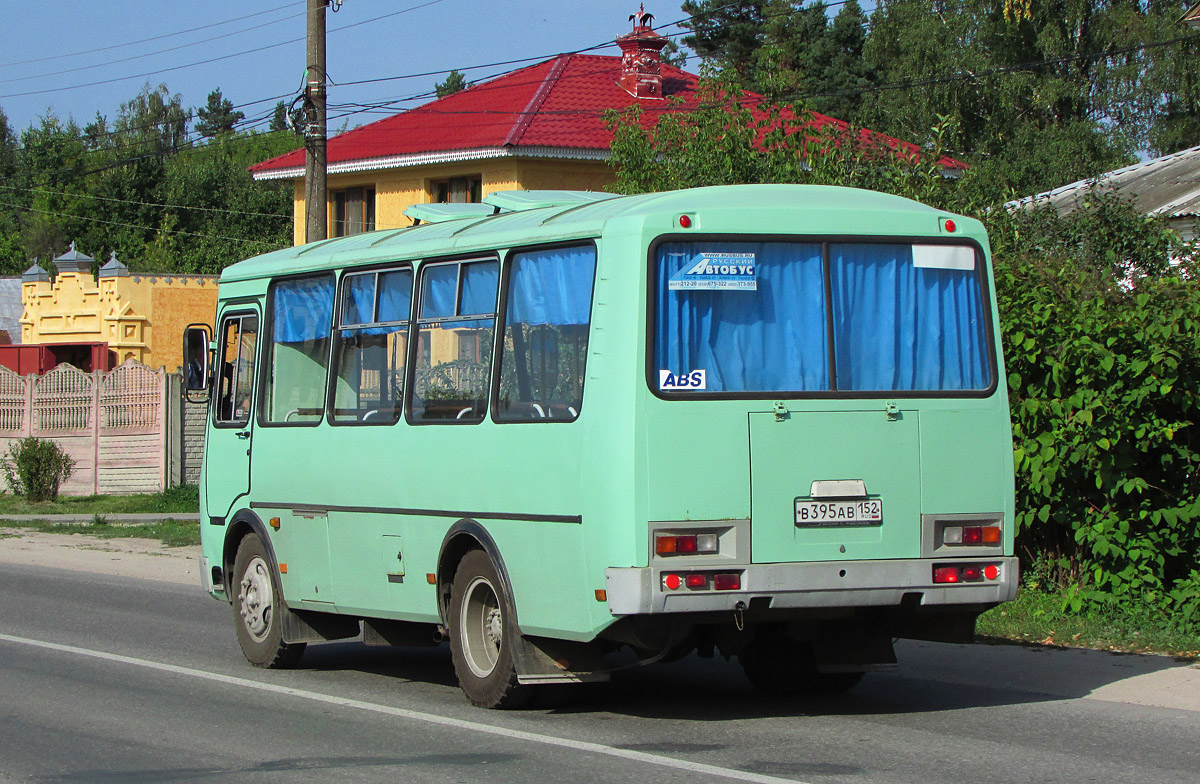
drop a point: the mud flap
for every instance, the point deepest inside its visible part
(545, 660)
(313, 626)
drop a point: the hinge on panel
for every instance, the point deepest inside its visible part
(892, 410)
(781, 412)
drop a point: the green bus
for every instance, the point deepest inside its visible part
(762, 421)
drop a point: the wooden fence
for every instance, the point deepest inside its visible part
(114, 425)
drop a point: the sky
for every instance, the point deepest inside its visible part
(77, 58)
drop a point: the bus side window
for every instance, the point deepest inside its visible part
(298, 350)
(454, 333)
(372, 347)
(235, 379)
(545, 342)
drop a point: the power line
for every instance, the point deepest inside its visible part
(151, 54)
(146, 40)
(264, 243)
(214, 59)
(144, 203)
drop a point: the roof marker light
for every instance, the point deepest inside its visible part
(950, 227)
(685, 221)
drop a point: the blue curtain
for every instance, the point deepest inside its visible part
(552, 287)
(769, 339)
(358, 304)
(479, 282)
(897, 326)
(303, 309)
(395, 295)
(439, 290)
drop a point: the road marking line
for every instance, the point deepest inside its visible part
(403, 713)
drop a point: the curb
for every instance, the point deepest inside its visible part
(111, 519)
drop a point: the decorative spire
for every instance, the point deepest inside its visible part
(74, 261)
(35, 273)
(114, 268)
(641, 57)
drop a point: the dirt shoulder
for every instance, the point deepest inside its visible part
(147, 559)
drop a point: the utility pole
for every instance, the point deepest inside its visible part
(316, 210)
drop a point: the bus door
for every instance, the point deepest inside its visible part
(835, 485)
(227, 447)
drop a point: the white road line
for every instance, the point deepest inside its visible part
(428, 718)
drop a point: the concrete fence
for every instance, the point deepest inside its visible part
(127, 430)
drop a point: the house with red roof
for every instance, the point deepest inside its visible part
(538, 128)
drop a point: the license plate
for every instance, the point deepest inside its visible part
(867, 511)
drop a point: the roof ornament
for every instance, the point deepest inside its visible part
(641, 18)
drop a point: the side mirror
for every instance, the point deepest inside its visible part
(197, 363)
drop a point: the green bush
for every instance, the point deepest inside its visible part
(36, 468)
(1103, 360)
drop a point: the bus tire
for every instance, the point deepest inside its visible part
(481, 629)
(258, 609)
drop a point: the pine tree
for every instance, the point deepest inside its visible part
(218, 116)
(454, 83)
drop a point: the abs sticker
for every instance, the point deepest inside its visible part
(716, 272)
(693, 380)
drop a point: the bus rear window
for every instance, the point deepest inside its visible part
(758, 317)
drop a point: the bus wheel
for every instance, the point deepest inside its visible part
(257, 609)
(779, 664)
(480, 636)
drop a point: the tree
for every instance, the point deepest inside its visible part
(218, 116)
(455, 82)
(726, 34)
(279, 120)
(1041, 92)
(51, 165)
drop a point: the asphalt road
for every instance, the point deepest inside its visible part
(115, 679)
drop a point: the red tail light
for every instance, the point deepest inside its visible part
(727, 582)
(696, 581)
(972, 574)
(945, 574)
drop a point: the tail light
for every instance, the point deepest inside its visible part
(944, 574)
(971, 534)
(685, 544)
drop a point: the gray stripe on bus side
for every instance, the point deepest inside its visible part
(398, 510)
(404, 713)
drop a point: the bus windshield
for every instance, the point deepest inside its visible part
(762, 317)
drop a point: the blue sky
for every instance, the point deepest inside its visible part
(79, 57)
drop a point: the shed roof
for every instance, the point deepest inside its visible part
(1168, 186)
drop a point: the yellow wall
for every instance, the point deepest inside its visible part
(397, 189)
(141, 317)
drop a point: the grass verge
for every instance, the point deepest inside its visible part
(1037, 617)
(183, 499)
(172, 533)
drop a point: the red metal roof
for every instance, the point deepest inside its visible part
(559, 103)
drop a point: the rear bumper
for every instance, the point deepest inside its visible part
(640, 590)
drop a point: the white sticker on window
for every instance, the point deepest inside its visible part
(716, 272)
(694, 380)
(948, 257)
